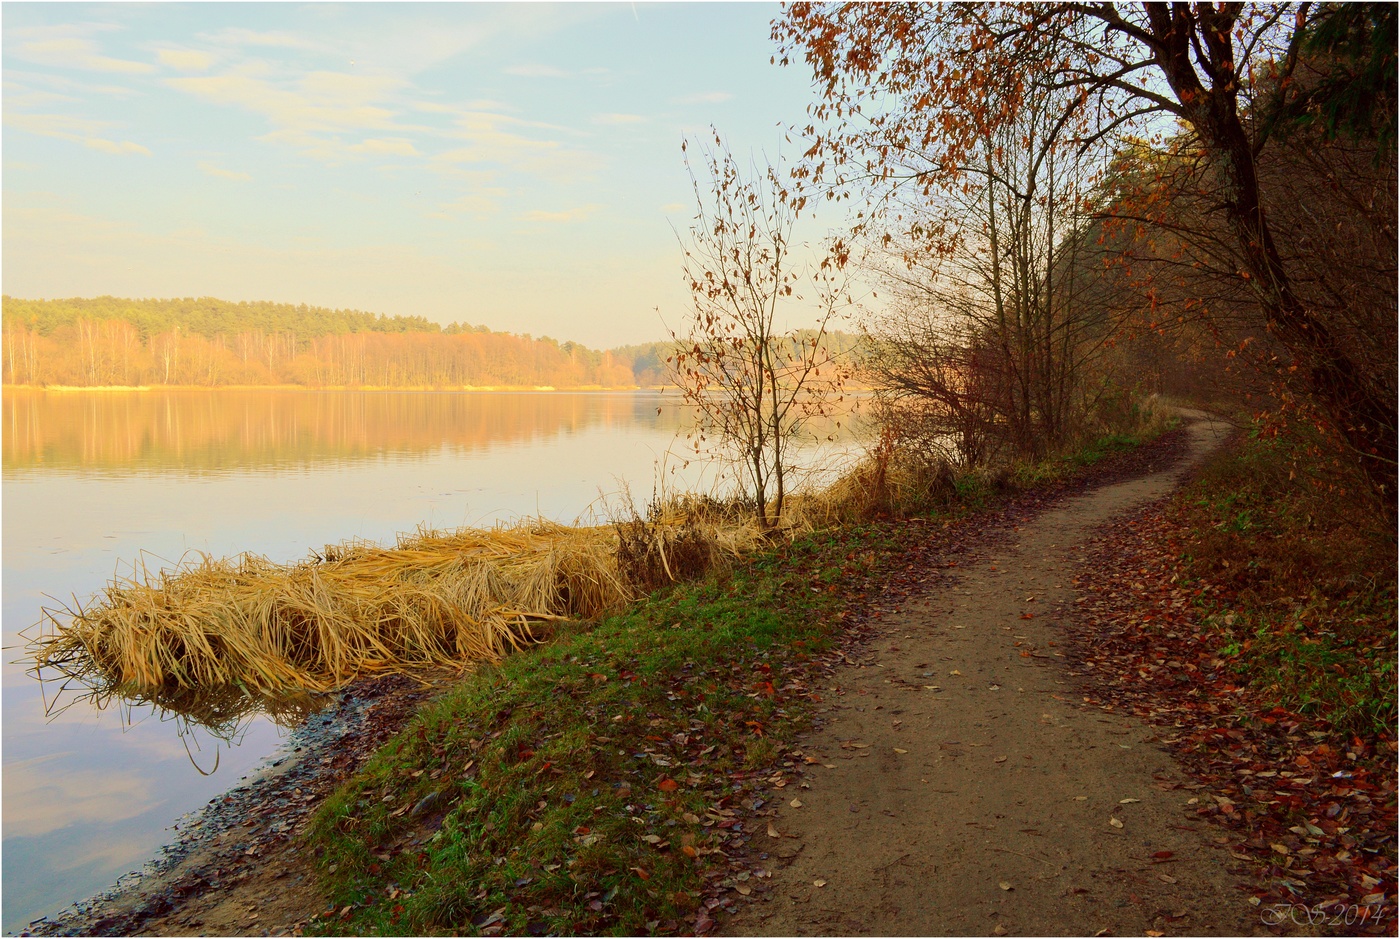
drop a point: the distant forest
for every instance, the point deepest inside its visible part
(109, 341)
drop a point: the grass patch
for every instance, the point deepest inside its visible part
(1309, 569)
(584, 787)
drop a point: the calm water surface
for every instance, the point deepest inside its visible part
(93, 481)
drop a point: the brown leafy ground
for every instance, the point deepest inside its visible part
(1312, 808)
(964, 783)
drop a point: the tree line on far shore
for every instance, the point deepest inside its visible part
(107, 341)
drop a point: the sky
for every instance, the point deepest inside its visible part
(515, 165)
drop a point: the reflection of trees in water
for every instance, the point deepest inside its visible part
(196, 430)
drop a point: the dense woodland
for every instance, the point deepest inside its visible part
(1072, 205)
(207, 342)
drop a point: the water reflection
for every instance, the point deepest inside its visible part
(39, 802)
(217, 431)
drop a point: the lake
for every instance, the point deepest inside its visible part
(94, 481)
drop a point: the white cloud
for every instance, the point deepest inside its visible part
(74, 52)
(221, 173)
(309, 113)
(479, 104)
(65, 83)
(111, 146)
(19, 97)
(77, 129)
(481, 202)
(322, 101)
(618, 119)
(567, 215)
(502, 140)
(238, 36)
(707, 97)
(674, 207)
(400, 146)
(185, 60)
(536, 70)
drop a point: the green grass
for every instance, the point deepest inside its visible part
(1309, 611)
(567, 771)
(588, 784)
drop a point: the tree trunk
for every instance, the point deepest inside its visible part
(1363, 416)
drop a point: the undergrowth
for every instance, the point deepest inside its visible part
(1309, 567)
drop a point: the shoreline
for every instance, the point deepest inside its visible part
(205, 879)
(213, 850)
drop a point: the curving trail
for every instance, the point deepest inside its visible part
(961, 786)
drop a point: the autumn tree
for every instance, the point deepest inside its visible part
(939, 79)
(991, 339)
(754, 385)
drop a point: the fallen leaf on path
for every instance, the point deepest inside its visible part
(1000, 759)
(1005, 886)
(898, 750)
(818, 883)
(1116, 822)
(773, 831)
(1166, 878)
(1128, 801)
(796, 803)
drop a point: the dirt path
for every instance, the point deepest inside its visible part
(962, 787)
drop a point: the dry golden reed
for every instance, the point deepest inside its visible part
(273, 630)
(215, 639)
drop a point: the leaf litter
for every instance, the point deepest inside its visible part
(1312, 808)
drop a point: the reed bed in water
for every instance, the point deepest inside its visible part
(213, 639)
(186, 638)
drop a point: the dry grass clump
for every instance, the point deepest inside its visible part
(890, 479)
(680, 538)
(213, 634)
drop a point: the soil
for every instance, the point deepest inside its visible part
(962, 785)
